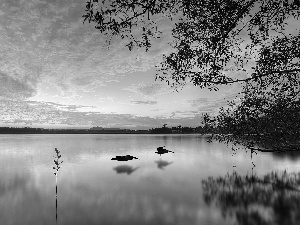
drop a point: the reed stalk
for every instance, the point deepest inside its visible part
(56, 168)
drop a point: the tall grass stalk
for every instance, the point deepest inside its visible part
(56, 168)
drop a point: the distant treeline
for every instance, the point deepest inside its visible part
(182, 130)
(161, 130)
(29, 130)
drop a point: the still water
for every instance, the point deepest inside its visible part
(185, 187)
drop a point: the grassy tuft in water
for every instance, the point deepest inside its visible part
(56, 168)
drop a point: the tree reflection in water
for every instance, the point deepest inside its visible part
(271, 199)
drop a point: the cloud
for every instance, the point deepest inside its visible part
(47, 41)
(58, 106)
(198, 101)
(150, 89)
(13, 88)
(47, 114)
(144, 102)
(212, 106)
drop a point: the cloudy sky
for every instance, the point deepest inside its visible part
(56, 72)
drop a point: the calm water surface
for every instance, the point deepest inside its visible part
(154, 189)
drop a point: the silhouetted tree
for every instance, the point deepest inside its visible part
(179, 128)
(263, 121)
(210, 37)
(219, 42)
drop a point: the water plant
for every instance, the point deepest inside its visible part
(56, 168)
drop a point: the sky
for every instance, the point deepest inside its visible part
(56, 72)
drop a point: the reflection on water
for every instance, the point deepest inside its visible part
(290, 155)
(21, 201)
(93, 189)
(270, 199)
(125, 169)
(161, 164)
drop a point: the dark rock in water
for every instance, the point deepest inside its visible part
(124, 158)
(162, 150)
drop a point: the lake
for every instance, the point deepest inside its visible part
(193, 185)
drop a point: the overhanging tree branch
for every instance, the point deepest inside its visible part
(254, 76)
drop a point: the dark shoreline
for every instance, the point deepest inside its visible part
(28, 130)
